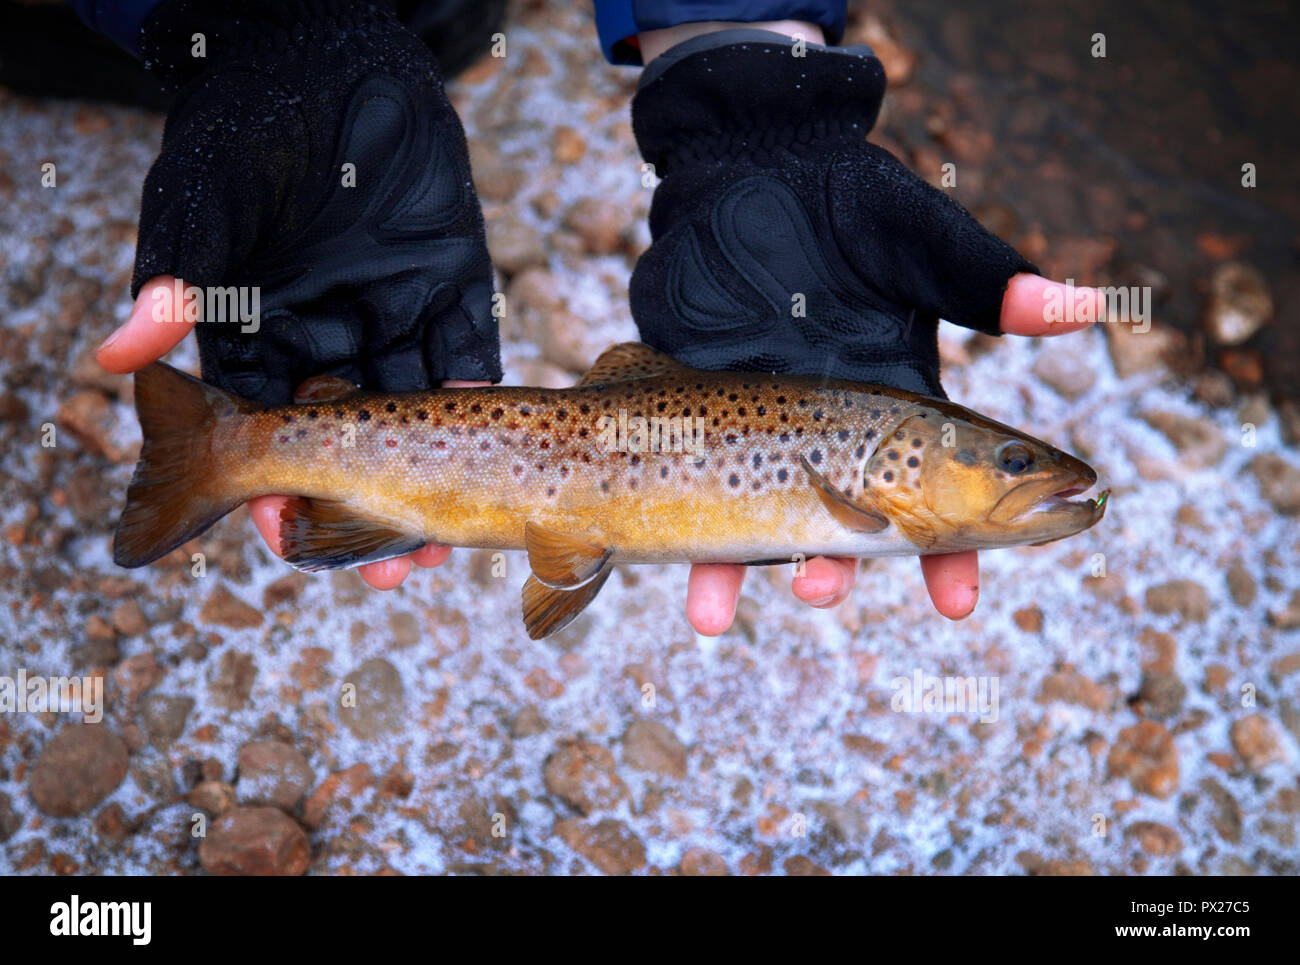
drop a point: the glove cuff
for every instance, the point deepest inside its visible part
(751, 94)
(256, 29)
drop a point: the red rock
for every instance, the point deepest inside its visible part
(582, 774)
(649, 745)
(1146, 755)
(609, 844)
(77, 769)
(701, 862)
(1257, 741)
(1155, 839)
(255, 841)
(272, 773)
(223, 608)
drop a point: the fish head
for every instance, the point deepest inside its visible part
(954, 480)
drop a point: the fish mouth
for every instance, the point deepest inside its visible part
(1048, 500)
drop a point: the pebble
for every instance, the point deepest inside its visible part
(215, 797)
(1288, 618)
(527, 723)
(1241, 585)
(1239, 304)
(610, 844)
(1257, 741)
(286, 589)
(255, 841)
(702, 863)
(223, 608)
(1227, 816)
(272, 773)
(1134, 351)
(494, 178)
(569, 147)
(128, 619)
(1154, 838)
(1162, 694)
(1071, 687)
(1199, 442)
(599, 223)
(77, 769)
(1146, 755)
(164, 718)
(1061, 368)
(515, 246)
(135, 675)
(583, 775)
(10, 822)
(1185, 597)
(89, 417)
(232, 683)
(649, 745)
(1279, 481)
(379, 704)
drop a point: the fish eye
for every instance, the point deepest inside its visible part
(1015, 458)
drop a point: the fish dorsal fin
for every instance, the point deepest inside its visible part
(561, 561)
(323, 388)
(628, 361)
(322, 534)
(846, 512)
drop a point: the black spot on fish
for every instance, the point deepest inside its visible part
(889, 476)
(422, 415)
(917, 443)
(892, 454)
(663, 472)
(780, 400)
(860, 452)
(498, 412)
(913, 461)
(391, 407)
(762, 410)
(476, 408)
(523, 410)
(843, 435)
(733, 397)
(562, 414)
(733, 480)
(364, 415)
(450, 406)
(817, 414)
(286, 417)
(312, 414)
(815, 457)
(965, 456)
(604, 485)
(782, 475)
(301, 433)
(758, 459)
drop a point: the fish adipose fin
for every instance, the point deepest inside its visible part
(628, 361)
(561, 561)
(175, 493)
(323, 534)
(567, 574)
(548, 610)
(845, 511)
(323, 388)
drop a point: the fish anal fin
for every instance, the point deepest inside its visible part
(323, 534)
(628, 361)
(562, 561)
(548, 610)
(846, 512)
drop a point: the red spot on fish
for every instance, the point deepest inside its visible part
(328, 443)
(391, 443)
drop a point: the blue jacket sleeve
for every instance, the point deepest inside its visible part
(617, 20)
(118, 20)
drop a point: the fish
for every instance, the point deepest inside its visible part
(643, 460)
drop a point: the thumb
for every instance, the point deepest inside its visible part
(157, 323)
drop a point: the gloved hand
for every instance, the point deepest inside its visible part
(386, 283)
(783, 241)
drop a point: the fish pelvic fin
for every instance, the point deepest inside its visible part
(628, 361)
(176, 492)
(324, 534)
(562, 561)
(548, 610)
(846, 512)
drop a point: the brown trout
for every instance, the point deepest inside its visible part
(642, 461)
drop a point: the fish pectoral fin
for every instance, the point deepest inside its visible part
(322, 534)
(323, 388)
(628, 361)
(845, 511)
(561, 561)
(548, 610)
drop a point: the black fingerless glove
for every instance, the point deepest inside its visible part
(386, 283)
(783, 241)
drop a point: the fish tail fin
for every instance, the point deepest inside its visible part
(176, 492)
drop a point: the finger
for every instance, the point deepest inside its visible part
(154, 327)
(265, 511)
(953, 580)
(1034, 305)
(431, 554)
(386, 574)
(711, 594)
(826, 580)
